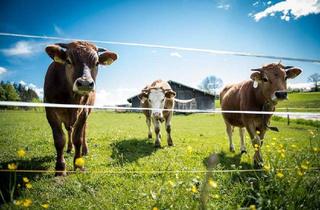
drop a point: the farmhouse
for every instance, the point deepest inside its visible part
(201, 99)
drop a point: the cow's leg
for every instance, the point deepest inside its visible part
(59, 143)
(256, 143)
(156, 124)
(168, 129)
(148, 121)
(69, 129)
(77, 137)
(229, 132)
(85, 149)
(243, 148)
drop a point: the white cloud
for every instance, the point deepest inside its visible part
(114, 96)
(291, 8)
(176, 54)
(58, 30)
(224, 6)
(23, 48)
(3, 70)
(23, 83)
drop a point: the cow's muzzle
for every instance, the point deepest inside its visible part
(158, 116)
(281, 95)
(83, 85)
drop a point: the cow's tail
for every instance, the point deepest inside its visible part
(184, 101)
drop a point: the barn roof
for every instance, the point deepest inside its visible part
(180, 84)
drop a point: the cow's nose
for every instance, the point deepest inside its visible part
(281, 94)
(85, 84)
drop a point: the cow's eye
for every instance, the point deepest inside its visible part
(162, 100)
(97, 64)
(265, 79)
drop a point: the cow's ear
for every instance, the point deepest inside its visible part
(56, 53)
(293, 72)
(170, 94)
(143, 96)
(107, 58)
(256, 76)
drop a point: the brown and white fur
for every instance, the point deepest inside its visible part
(267, 86)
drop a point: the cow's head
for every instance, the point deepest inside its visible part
(272, 79)
(81, 60)
(155, 97)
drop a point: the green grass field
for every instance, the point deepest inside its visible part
(118, 144)
(300, 102)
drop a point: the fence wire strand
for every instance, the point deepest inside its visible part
(132, 44)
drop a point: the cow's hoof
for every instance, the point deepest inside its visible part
(232, 149)
(84, 151)
(157, 146)
(150, 136)
(257, 164)
(171, 145)
(60, 173)
(243, 152)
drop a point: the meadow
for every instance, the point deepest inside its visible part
(124, 171)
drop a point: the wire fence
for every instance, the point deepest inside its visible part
(132, 44)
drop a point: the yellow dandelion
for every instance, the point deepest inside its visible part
(45, 205)
(300, 172)
(281, 146)
(257, 132)
(216, 196)
(293, 146)
(268, 146)
(27, 202)
(21, 153)
(213, 183)
(311, 132)
(315, 149)
(28, 185)
(171, 183)
(79, 162)
(194, 189)
(304, 166)
(273, 144)
(25, 179)
(252, 207)
(274, 138)
(12, 166)
(280, 175)
(282, 155)
(17, 202)
(267, 167)
(189, 149)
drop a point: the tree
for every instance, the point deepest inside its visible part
(315, 78)
(10, 92)
(2, 94)
(210, 84)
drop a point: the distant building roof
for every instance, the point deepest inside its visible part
(180, 84)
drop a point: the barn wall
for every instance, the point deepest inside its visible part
(202, 101)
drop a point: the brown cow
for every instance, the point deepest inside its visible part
(267, 86)
(70, 79)
(157, 96)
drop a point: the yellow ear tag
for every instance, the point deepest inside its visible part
(109, 61)
(58, 60)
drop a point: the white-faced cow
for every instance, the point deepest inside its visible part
(70, 79)
(157, 96)
(267, 86)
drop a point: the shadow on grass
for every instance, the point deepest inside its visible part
(131, 150)
(11, 182)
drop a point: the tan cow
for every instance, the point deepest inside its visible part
(157, 96)
(70, 79)
(267, 86)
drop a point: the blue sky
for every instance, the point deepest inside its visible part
(288, 28)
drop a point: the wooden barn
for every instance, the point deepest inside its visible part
(201, 100)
